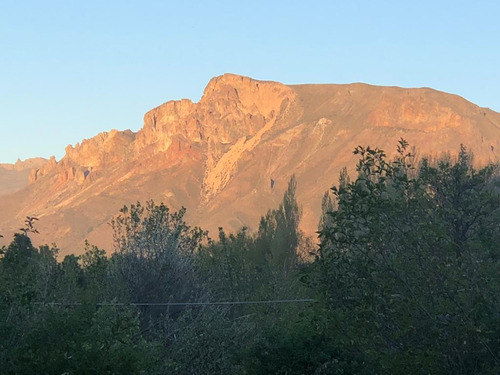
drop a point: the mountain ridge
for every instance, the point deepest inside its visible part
(217, 156)
(14, 177)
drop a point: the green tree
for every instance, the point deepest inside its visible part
(410, 261)
(258, 266)
(278, 236)
(155, 253)
(49, 320)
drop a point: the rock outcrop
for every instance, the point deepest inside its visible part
(101, 151)
(15, 176)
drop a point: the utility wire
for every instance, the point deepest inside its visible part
(100, 304)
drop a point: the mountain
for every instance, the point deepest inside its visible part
(218, 156)
(14, 177)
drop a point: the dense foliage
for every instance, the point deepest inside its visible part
(410, 262)
(405, 279)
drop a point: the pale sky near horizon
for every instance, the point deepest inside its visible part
(71, 69)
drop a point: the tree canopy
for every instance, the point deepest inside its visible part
(404, 278)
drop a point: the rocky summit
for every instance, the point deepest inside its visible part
(218, 157)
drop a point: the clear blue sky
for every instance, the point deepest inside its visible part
(71, 69)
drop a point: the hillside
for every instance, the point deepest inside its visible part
(218, 156)
(14, 177)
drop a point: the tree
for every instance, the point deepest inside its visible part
(278, 236)
(409, 259)
(155, 253)
(49, 319)
(246, 266)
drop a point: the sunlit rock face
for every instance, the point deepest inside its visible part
(218, 156)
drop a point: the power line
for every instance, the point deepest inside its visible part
(166, 304)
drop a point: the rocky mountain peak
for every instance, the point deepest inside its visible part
(218, 156)
(254, 97)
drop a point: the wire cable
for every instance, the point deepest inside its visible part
(101, 304)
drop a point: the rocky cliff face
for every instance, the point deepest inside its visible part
(217, 156)
(105, 149)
